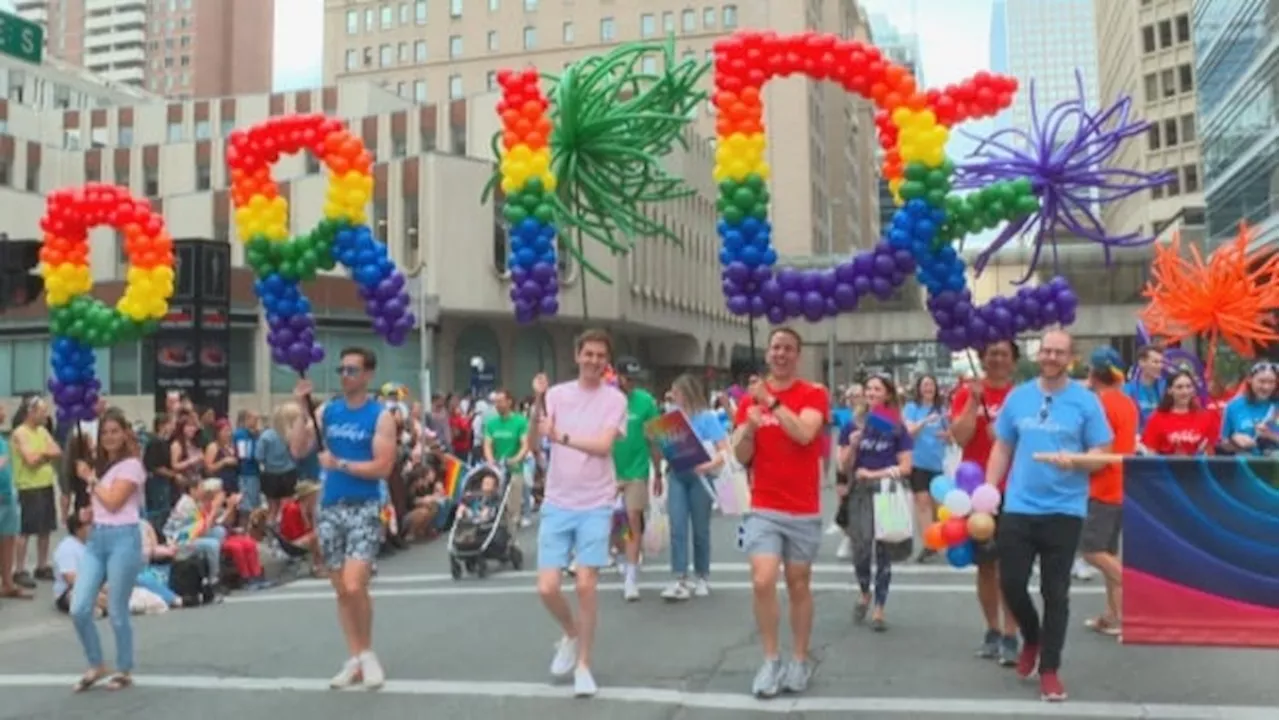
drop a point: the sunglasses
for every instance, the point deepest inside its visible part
(349, 370)
(1263, 366)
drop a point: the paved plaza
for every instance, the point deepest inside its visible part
(480, 649)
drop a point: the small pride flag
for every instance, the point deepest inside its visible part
(677, 441)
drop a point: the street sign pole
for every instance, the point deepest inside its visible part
(21, 39)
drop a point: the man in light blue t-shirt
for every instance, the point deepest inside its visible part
(1045, 426)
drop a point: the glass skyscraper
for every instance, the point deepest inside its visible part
(1237, 72)
(1046, 41)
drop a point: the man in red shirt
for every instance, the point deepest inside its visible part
(973, 414)
(778, 436)
(1100, 538)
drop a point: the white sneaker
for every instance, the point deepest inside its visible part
(371, 670)
(526, 522)
(845, 551)
(630, 590)
(566, 657)
(701, 589)
(584, 685)
(834, 529)
(1082, 571)
(349, 675)
(676, 592)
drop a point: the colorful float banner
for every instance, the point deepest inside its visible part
(1200, 551)
(675, 438)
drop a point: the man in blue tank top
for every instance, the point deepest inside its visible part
(359, 452)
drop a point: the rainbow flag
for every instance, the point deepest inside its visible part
(452, 476)
(884, 420)
(674, 436)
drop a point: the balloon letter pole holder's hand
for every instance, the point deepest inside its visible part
(78, 322)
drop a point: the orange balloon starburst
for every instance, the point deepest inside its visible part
(1230, 296)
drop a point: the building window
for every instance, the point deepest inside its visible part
(455, 87)
(419, 90)
(492, 41)
(566, 33)
(1167, 85)
(455, 46)
(1170, 132)
(388, 19)
(649, 65)
(420, 51)
(1182, 26)
(668, 22)
(384, 56)
(404, 13)
(730, 17)
(455, 8)
(353, 60)
(204, 177)
(606, 29)
(1191, 178)
(490, 80)
(4, 171)
(493, 5)
(150, 182)
(202, 129)
(174, 133)
(1166, 33)
(399, 147)
(1186, 82)
(708, 18)
(1151, 88)
(1188, 128)
(530, 37)
(402, 53)
(688, 21)
(648, 25)
(1153, 137)
(1174, 187)
(369, 19)
(530, 5)
(1149, 39)
(226, 126)
(420, 12)
(353, 22)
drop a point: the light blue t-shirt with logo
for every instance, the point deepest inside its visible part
(929, 449)
(1146, 397)
(348, 434)
(1242, 417)
(1069, 420)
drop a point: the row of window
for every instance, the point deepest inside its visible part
(386, 17)
(1166, 31)
(1185, 180)
(1184, 126)
(1168, 83)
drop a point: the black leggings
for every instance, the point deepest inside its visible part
(1054, 539)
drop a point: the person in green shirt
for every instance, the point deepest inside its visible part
(636, 462)
(506, 444)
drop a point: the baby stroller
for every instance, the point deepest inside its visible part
(473, 542)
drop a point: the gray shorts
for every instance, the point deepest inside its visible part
(349, 531)
(1101, 533)
(794, 539)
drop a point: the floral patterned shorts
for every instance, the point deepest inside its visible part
(349, 531)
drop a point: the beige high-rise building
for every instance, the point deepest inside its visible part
(178, 48)
(821, 141)
(1145, 51)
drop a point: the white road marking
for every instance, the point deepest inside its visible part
(824, 569)
(692, 700)
(484, 587)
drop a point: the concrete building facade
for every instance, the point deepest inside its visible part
(664, 305)
(177, 48)
(1145, 52)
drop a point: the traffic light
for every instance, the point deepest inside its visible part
(19, 283)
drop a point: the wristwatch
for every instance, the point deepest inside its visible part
(343, 465)
(564, 438)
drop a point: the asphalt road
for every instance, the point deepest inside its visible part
(480, 649)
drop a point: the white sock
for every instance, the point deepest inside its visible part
(629, 572)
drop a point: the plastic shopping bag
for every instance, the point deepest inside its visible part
(893, 517)
(733, 494)
(656, 530)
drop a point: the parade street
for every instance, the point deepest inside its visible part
(481, 648)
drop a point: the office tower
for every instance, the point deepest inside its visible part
(1048, 42)
(178, 48)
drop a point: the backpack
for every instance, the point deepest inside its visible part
(189, 580)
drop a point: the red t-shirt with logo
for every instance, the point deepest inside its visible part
(1188, 433)
(293, 526)
(978, 449)
(786, 476)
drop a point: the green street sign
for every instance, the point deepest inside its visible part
(21, 39)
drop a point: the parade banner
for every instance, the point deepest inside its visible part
(680, 447)
(1200, 551)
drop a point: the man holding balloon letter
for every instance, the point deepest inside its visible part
(1042, 431)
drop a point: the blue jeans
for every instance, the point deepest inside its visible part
(152, 581)
(250, 493)
(689, 504)
(113, 555)
(210, 548)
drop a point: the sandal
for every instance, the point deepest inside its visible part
(1103, 625)
(860, 612)
(119, 681)
(88, 680)
(879, 625)
(16, 593)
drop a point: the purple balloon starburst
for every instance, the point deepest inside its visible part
(1067, 156)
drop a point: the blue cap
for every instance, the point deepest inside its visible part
(1105, 357)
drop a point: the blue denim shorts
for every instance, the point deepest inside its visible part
(573, 535)
(10, 517)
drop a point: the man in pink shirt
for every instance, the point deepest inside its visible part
(581, 419)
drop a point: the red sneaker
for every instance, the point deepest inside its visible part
(1051, 688)
(1028, 659)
